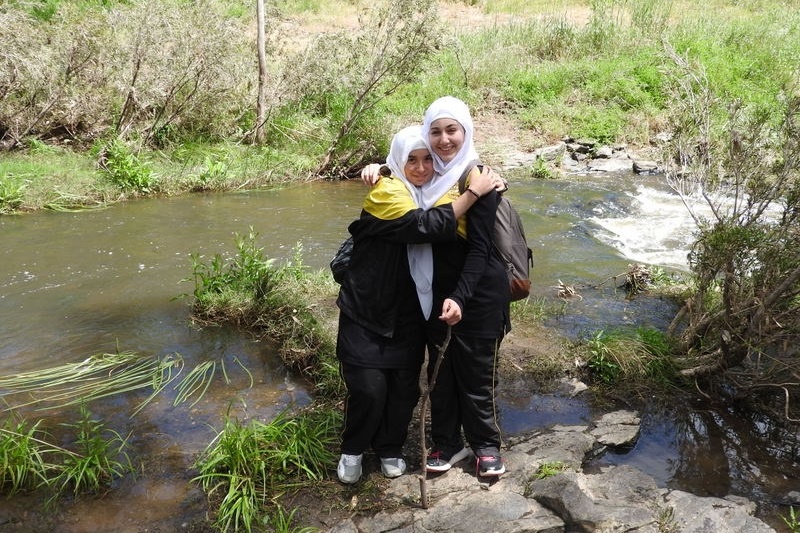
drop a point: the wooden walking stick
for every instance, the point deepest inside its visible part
(423, 408)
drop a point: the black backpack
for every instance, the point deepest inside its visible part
(509, 243)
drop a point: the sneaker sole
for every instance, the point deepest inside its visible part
(493, 473)
(457, 457)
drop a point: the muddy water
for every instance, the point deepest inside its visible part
(72, 285)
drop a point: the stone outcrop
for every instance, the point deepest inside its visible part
(617, 499)
(584, 155)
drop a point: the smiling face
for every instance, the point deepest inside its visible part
(419, 167)
(446, 137)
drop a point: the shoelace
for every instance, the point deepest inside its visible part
(484, 458)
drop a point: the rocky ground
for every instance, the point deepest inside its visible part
(525, 499)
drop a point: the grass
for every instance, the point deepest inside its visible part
(28, 461)
(792, 520)
(550, 469)
(640, 355)
(100, 457)
(22, 452)
(534, 310)
(96, 377)
(247, 467)
(276, 301)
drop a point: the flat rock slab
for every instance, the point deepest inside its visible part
(617, 499)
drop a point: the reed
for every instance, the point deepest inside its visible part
(99, 376)
(247, 467)
(28, 461)
(22, 456)
(100, 457)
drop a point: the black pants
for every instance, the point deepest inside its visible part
(379, 406)
(463, 395)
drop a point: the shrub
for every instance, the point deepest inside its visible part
(126, 170)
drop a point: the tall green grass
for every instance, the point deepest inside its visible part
(634, 355)
(29, 460)
(274, 300)
(100, 456)
(248, 467)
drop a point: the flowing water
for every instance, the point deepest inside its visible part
(77, 284)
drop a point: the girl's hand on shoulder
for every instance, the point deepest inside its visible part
(370, 174)
(486, 180)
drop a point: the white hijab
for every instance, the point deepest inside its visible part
(420, 256)
(447, 174)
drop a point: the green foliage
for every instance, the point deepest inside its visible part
(44, 10)
(281, 522)
(274, 300)
(541, 171)
(126, 170)
(247, 465)
(22, 456)
(602, 362)
(28, 461)
(792, 521)
(96, 377)
(100, 457)
(629, 355)
(12, 191)
(550, 469)
(247, 277)
(534, 309)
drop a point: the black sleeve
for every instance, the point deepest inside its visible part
(480, 229)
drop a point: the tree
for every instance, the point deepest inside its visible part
(261, 105)
(386, 52)
(740, 180)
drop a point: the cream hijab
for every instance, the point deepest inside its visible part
(420, 256)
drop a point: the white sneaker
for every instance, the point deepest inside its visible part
(393, 466)
(349, 469)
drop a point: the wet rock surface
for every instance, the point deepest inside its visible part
(616, 499)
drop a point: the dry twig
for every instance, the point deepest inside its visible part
(423, 408)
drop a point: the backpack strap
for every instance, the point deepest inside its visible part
(462, 181)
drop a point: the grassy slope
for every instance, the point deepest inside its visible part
(532, 71)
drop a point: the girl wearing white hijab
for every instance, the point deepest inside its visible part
(470, 286)
(381, 337)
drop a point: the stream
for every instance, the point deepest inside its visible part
(77, 284)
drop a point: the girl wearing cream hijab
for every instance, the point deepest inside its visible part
(468, 283)
(381, 336)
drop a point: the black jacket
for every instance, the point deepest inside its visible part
(470, 272)
(378, 291)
